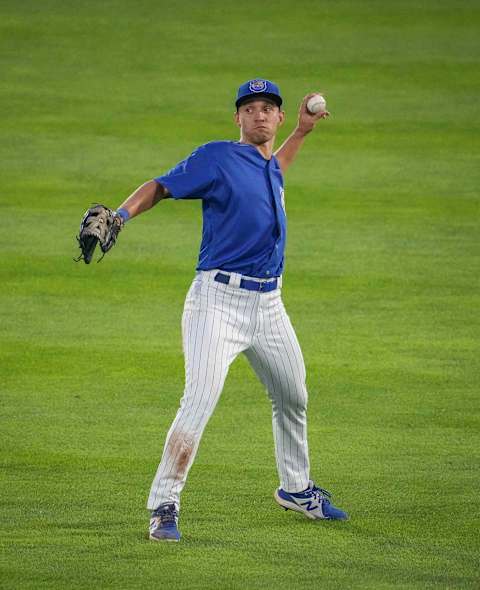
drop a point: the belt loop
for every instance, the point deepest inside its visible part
(235, 279)
(279, 282)
(209, 275)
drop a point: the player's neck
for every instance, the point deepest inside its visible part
(265, 149)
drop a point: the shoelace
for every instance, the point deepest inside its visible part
(321, 494)
(166, 513)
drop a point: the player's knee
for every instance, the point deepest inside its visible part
(302, 401)
(296, 393)
(292, 399)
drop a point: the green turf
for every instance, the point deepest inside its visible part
(382, 285)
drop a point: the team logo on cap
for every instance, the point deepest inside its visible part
(257, 86)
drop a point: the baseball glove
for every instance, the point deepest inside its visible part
(99, 225)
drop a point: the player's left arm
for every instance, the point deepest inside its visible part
(287, 152)
(144, 198)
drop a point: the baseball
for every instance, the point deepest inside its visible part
(316, 104)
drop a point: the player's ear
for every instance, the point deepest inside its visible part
(281, 116)
(237, 119)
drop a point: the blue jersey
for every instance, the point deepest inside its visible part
(244, 223)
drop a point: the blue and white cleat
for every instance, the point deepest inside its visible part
(313, 502)
(163, 523)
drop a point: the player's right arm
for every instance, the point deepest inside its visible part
(144, 198)
(287, 152)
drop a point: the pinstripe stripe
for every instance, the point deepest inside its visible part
(265, 352)
(285, 389)
(281, 389)
(266, 377)
(300, 380)
(219, 371)
(203, 366)
(296, 394)
(226, 339)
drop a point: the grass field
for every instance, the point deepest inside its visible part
(381, 283)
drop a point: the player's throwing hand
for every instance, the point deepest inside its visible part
(306, 119)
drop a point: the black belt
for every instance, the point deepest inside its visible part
(249, 285)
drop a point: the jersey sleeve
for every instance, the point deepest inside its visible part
(192, 178)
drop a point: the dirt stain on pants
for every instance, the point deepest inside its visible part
(180, 448)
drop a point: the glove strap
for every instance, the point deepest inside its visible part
(124, 214)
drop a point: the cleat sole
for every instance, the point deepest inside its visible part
(163, 539)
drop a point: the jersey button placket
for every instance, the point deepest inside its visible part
(271, 184)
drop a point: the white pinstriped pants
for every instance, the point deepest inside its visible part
(219, 322)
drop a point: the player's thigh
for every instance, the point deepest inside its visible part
(210, 342)
(276, 356)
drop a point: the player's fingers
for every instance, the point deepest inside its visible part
(322, 115)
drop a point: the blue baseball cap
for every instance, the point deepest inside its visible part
(258, 88)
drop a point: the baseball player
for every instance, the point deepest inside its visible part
(234, 304)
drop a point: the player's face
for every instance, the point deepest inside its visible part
(259, 120)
